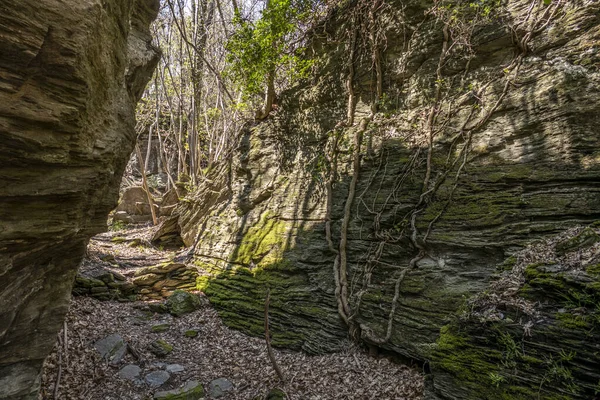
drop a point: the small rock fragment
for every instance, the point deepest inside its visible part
(130, 372)
(192, 390)
(112, 348)
(160, 348)
(191, 333)
(219, 387)
(275, 394)
(175, 368)
(157, 378)
(161, 327)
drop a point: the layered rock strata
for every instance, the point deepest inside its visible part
(70, 76)
(474, 133)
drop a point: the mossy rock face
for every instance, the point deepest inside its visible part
(526, 172)
(181, 302)
(538, 342)
(583, 240)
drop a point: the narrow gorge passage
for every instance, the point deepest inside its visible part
(308, 181)
(200, 349)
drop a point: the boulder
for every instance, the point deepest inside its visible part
(168, 233)
(181, 302)
(160, 308)
(169, 202)
(134, 201)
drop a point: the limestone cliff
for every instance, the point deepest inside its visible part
(433, 142)
(71, 73)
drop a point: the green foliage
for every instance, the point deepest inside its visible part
(116, 226)
(469, 12)
(496, 379)
(258, 48)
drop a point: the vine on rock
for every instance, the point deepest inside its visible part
(457, 32)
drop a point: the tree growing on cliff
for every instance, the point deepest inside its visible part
(269, 49)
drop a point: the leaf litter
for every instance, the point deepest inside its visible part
(217, 351)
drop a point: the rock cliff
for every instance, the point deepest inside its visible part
(433, 142)
(70, 76)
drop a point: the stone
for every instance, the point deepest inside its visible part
(112, 348)
(134, 201)
(160, 327)
(130, 372)
(86, 282)
(160, 348)
(169, 202)
(174, 368)
(180, 303)
(146, 280)
(121, 216)
(586, 238)
(191, 390)
(276, 394)
(110, 258)
(219, 387)
(191, 333)
(157, 378)
(160, 269)
(107, 277)
(160, 308)
(168, 233)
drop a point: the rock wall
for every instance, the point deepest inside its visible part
(533, 333)
(70, 76)
(474, 133)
